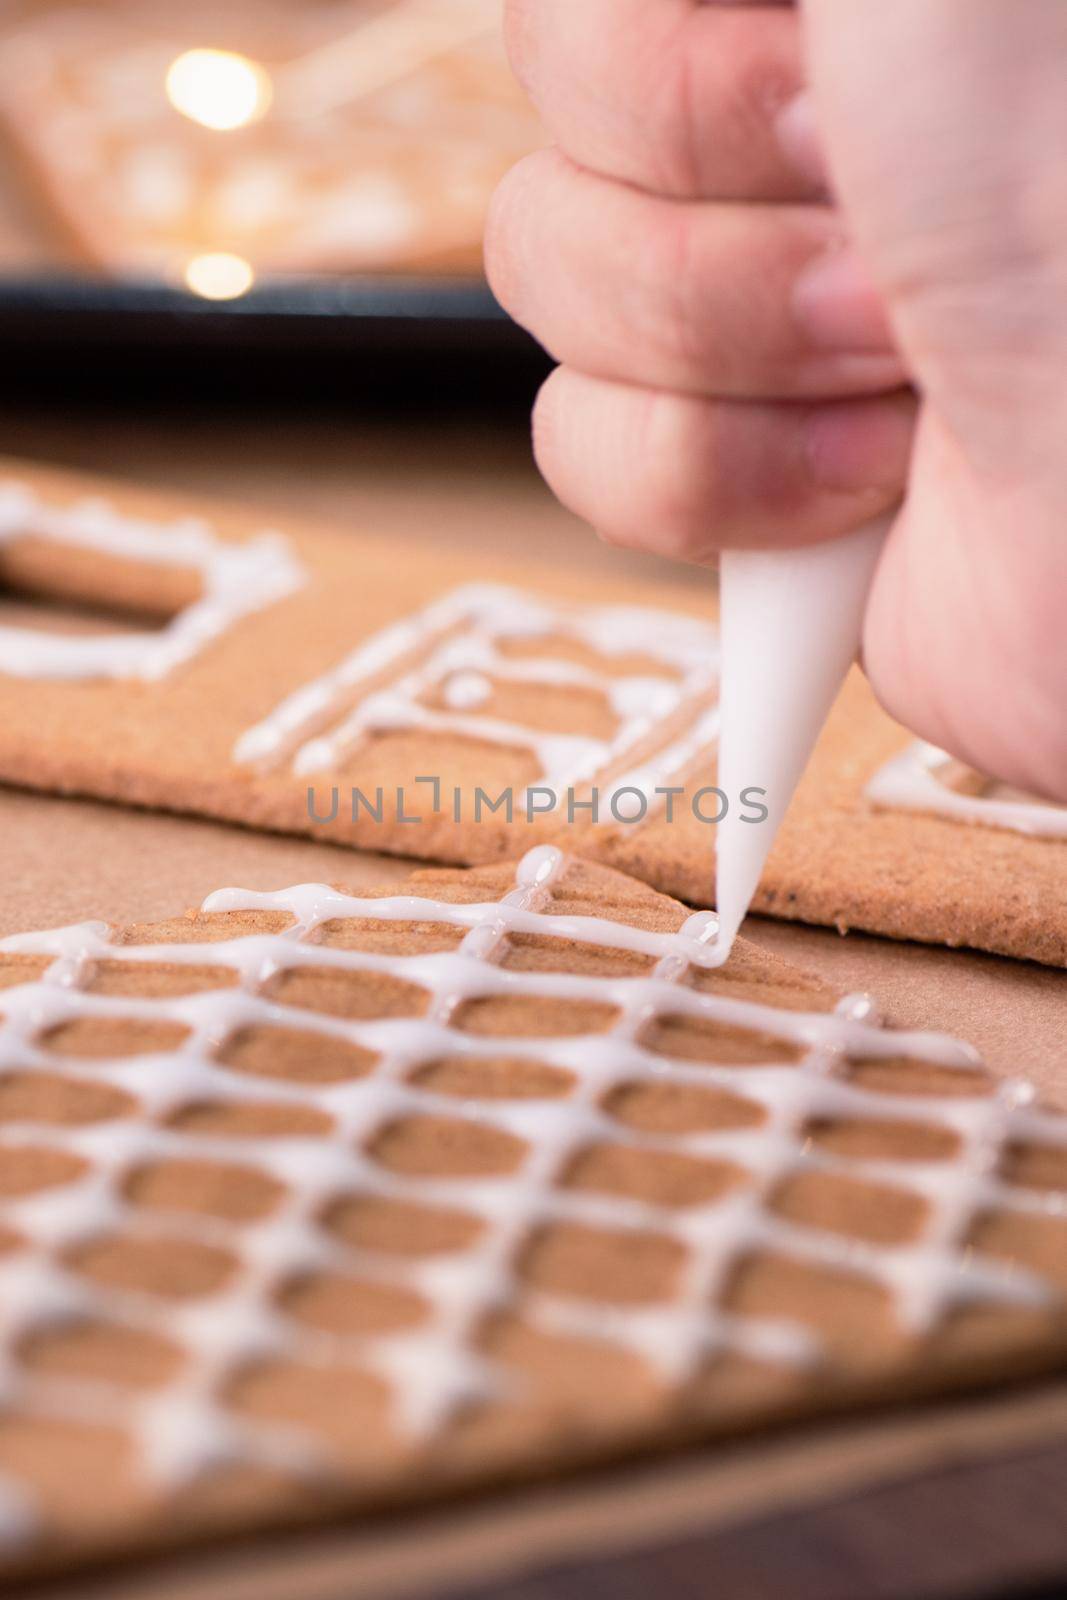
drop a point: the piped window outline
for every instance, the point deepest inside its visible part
(456, 645)
(236, 580)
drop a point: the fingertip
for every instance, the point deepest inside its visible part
(505, 228)
(681, 477)
(543, 432)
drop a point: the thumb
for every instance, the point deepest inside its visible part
(944, 123)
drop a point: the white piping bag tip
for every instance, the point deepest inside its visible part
(792, 623)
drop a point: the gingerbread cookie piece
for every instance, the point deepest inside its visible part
(883, 835)
(312, 1201)
(303, 683)
(295, 682)
(212, 144)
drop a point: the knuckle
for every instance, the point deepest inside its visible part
(716, 317)
(609, 96)
(717, 96)
(682, 123)
(762, 85)
(759, 70)
(727, 99)
(507, 230)
(663, 125)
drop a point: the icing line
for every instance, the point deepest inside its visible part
(909, 782)
(237, 579)
(454, 646)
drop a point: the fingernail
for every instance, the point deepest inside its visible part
(837, 307)
(798, 135)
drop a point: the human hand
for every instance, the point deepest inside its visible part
(736, 345)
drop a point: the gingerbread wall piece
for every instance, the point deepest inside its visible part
(882, 836)
(430, 712)
(232, 581)
(312, 1200)
(946, 867)
(460, 649)
(282, 138)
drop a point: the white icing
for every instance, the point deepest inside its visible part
(236, 579)
(465, 691)
(910, 782)
(185, 1429)
(456, 647)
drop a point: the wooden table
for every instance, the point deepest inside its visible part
(961, 1500)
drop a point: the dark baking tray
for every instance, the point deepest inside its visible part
(386, 332)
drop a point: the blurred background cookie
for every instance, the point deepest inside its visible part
(214, 146)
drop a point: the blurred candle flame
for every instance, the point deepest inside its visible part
(218, 88)
(219, 275)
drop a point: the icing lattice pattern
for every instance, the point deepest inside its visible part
(457, 647)
(459, 956)
(236, 579)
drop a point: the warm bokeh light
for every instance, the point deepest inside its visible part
(218, 88)
(219, 275)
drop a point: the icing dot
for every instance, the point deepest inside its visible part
(466, 690)
(858, 1008)
(538, 867)
(460, 644)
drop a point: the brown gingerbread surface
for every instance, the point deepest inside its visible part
(379, 137)
(845, 861)
(312, 1202)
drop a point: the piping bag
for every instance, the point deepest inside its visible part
(792, 622)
